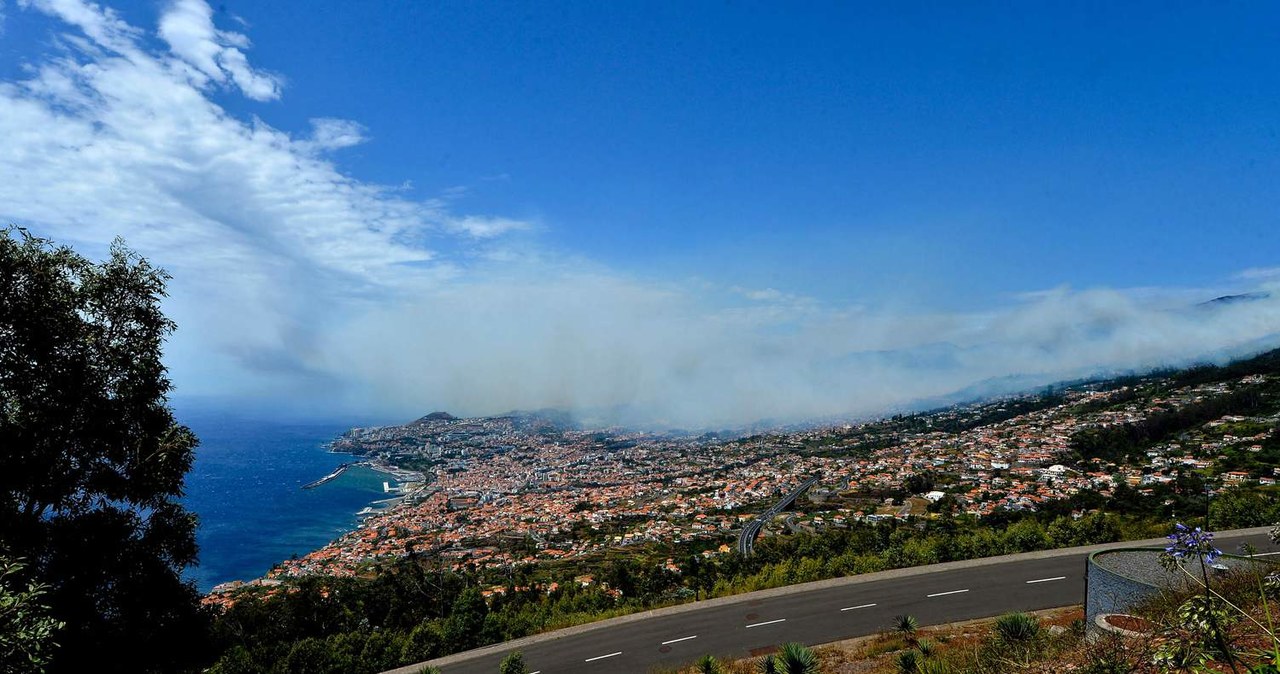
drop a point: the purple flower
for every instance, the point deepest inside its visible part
(1186, 542)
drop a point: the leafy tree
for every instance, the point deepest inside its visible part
(26, 629)
(310, 656)
(919, 483)
(91, 460)
(423, 643)
(462, 629)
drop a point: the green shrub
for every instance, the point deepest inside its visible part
(513, 664)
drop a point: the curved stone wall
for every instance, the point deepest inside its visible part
(1108, 591)
(1117, 579)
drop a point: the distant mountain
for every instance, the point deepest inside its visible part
(1235, 299)
(435, 416)
(546, 419)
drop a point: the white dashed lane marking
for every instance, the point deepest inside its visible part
(1046, 580)
(768, 622)
(854, 608)
(943, 594)
(601, 657)
(673, 641)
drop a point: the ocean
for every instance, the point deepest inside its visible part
(245, 486)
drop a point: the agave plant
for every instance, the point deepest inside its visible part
(708, 665)
(907, 626)
(1016, 628)
(796, 658)
(909, 662)
(926, 647)
(768, 665)
(935, 667)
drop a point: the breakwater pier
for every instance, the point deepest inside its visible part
(331, 476)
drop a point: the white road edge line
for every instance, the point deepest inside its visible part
(854, 608)
(1265, 554)
(943, 594)
(601, 657)
(770, 622)
(679, 640)
(537, 672)
(1046, 580)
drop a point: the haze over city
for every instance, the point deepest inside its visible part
(693, 215)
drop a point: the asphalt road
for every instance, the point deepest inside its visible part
(812, 613)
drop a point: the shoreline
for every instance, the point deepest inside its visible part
(380, 501)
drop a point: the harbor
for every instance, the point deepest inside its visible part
(401, 476)
(405, 482)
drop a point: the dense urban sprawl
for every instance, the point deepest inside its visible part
(475, 486)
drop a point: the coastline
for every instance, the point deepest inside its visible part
(375, 505)
(244, 488)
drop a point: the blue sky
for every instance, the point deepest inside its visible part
(724, 210)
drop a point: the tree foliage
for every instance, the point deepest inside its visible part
(26, 628)
(91, 460)
(1123, 442)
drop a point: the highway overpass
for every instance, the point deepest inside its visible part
(747, 539)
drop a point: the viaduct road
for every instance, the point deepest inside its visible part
(811, 613)
(747, 539)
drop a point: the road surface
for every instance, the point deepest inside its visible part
(812, 613)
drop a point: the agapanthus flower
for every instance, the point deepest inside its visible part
(1186, 542)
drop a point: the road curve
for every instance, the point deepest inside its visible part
(810, 613)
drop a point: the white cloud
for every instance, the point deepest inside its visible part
(328, 133)
(1260, 274)
(766, 295)
(187, 25)
(645, 351)
(484, 227)
(266, 239)
(100, 24)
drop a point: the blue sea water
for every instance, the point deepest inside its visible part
(245, 486)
